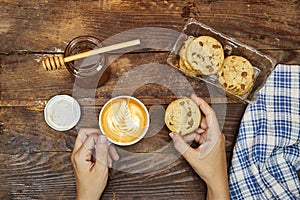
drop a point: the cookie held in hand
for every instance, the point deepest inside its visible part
(183, 116)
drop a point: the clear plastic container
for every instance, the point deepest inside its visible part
(263, 64)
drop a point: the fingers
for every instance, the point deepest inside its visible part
(113, 153)
(182, 147)
(90, 142)
(190, 137)
(202, 139)
(85, 143)
(200, 130)
(78, 142)
(206, 109)
(112, 156)
(83, 156)
(82, 136)
(203, 123)
(197, 137)
(101, 152)
(109, 161)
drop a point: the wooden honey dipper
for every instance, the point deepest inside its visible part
(56, 62)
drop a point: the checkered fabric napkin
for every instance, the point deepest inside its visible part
(266, 155)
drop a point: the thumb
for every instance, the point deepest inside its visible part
(182, 147)
(101, 151)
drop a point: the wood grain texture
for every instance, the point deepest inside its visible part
(25, 83)
(24, 129)
(49, 175)
(272, 25)
(37, 176)
(34, 159)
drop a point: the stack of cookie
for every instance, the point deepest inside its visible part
(201, 55)
(204, 55)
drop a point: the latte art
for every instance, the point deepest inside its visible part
(124, 120)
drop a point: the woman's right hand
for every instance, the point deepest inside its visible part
(209, 159)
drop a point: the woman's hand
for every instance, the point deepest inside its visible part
(209, 159)
(91, 157)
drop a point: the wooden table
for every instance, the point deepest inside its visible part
(35, 159)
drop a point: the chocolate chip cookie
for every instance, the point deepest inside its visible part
(183, 63)
(236, 75)
(183, 116)
(205, 54)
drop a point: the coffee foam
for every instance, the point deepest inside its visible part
(124, 120)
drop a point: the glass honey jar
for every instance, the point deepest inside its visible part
(89, 72)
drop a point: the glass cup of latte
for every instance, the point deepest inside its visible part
(124, 120)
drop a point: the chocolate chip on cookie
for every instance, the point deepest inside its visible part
(236, 75)
(183, 116)
(205, 54)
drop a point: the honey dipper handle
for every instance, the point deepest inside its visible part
(102, 50)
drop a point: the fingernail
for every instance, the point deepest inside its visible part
(171, 135)
(102, 139)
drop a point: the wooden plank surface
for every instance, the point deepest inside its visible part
(36, 163)
(22, 78)
(43, 26)
(34, 159)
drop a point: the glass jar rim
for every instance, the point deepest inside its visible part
(74, 45)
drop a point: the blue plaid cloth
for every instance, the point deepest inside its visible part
(266, 155)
